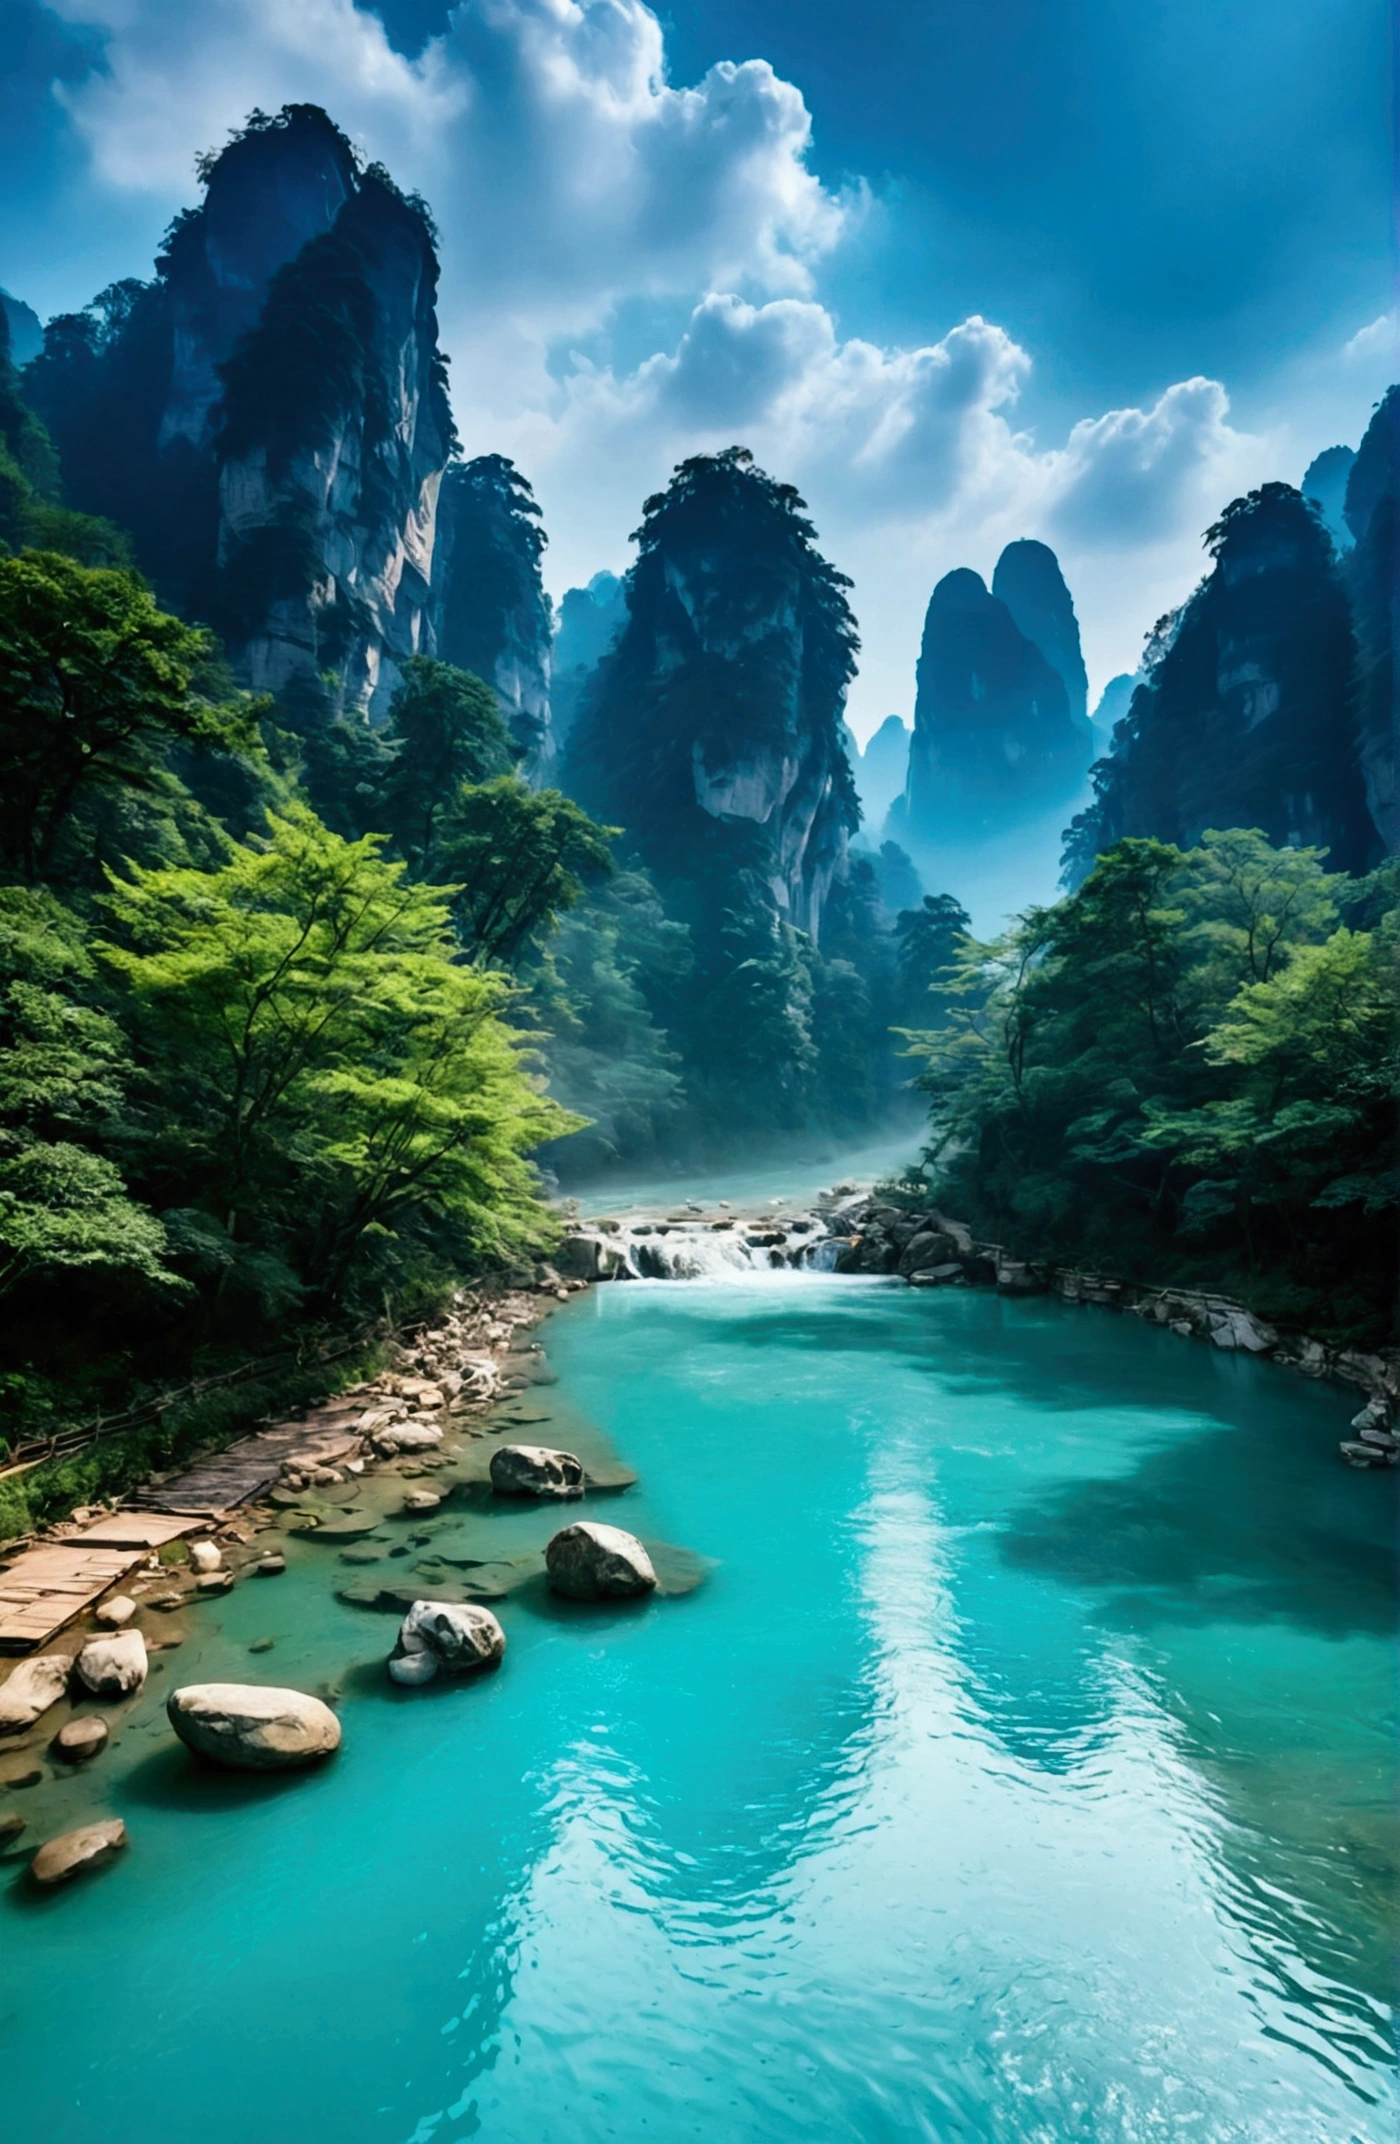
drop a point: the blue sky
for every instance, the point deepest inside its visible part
(1079, 270)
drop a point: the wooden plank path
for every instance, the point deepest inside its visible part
(245, 1470)
(46, 1586)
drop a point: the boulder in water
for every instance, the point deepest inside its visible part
(589, 1562)
(253, 1728)
(74, 1853)
(535, 1470)
(113, 1667)
(456, 1637)
(116, 1613)
(79, 1739)
(32, 1687)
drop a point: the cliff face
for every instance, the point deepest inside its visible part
(1373, 577)
(269, 418)
(1029, 582)
(994, 740)
(1246, 718)
(714, 733)
(490, 613)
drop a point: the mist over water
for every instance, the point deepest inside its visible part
(1021, 1770)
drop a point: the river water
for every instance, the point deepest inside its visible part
(1021, 1770)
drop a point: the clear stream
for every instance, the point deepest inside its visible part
(1022, 1770)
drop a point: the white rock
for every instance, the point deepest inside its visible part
(206, 1556)
(1237, 1329)
(115, 1666)
(588, 1562)
(253, 1728)
(407, 1437)
(422, 1500)
(411, 1669)
(458, 1636)
(116, 1612)
(535, 1470)
(75, 1852)
(32, 1687)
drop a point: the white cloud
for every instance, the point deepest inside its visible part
(565, 171)
(571, 178)
(1377, 345)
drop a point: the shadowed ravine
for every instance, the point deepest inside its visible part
(1021, 1771)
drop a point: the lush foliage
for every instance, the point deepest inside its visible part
(1189, 1065)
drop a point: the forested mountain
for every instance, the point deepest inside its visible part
(268, 417)
(1247, 715)
(713, 734)
(881, 770)
(490, 614)
(995, 741)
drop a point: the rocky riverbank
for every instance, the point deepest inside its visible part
(851, 1230)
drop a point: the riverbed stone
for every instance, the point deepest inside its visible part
(270, 1566)
(589, 1562)
(79, 1739)
(77, 1853)
(251, 1727)
(422, 1500)
(535, 1470)
(206, 1556)
(459, 1637)
(32, 1687)
(114, 1666)
(407, 1437)
(11, 1826)
(116, 1613)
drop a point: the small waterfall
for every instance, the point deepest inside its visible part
(710, 1247)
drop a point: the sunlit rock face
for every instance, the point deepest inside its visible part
(1029, 582)
(714, 734)
(268, 418)
(490, 612)
(1246, 714)
(332, 436)
(994, 739)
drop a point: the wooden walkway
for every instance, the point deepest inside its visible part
(246, 1469)
(46, 1586)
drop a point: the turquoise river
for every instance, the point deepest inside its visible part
(1021, 1770)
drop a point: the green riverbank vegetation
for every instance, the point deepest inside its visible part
(1186, 1071)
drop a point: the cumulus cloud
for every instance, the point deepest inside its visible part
(565, 170)
(573, 180)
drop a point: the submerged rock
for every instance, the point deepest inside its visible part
(79, 1739)
(113, 1667)
(589, 1562)
(456, 1637)
(535, 1470)
(74, 1853)
(252, 1728)
(33, 1686)
(11, 1825)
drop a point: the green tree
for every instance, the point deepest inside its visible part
(64, 1069)
(519, 858)
(445, 728)
(95, 681)
(336, 1082)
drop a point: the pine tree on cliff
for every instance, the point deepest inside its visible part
(490, 612)
(713, 730)
(1247, 717)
